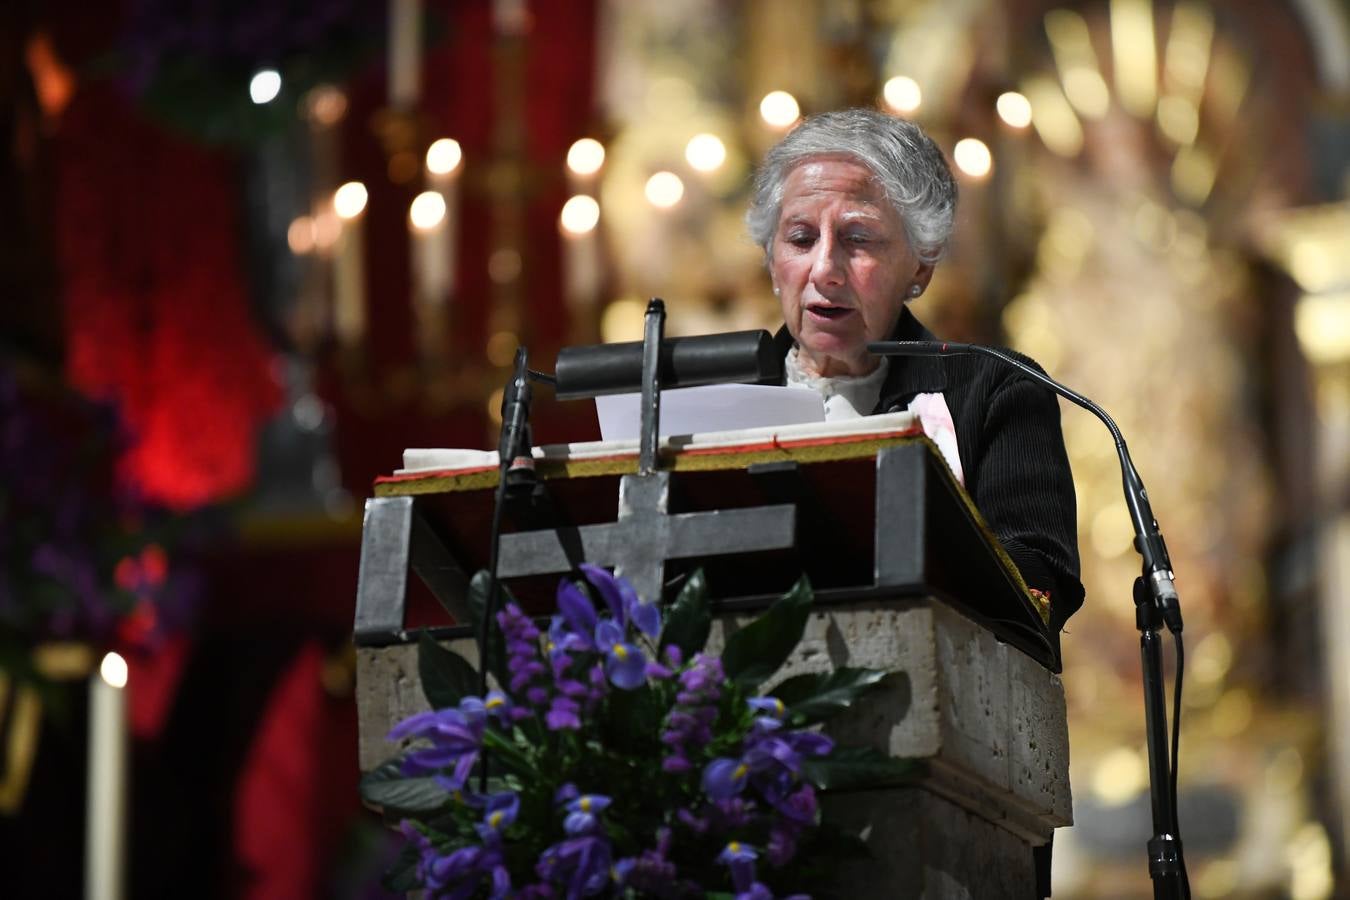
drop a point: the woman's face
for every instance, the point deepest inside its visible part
(841, 264)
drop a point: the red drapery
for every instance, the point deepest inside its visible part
(156, 312)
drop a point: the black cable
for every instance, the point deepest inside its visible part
(489, 605)
(1176, 750)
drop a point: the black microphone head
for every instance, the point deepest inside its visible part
(738, 357)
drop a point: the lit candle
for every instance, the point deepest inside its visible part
(349, 268)
(444, 158)
(405, 52)
(105, 824)
(577, 223)
(581, 252)
(432, 218)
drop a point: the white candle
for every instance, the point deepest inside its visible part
(405, 52)
(581, 270)
(435, 226)
(105, 825)
(430, 269)
(580, 238)
(434, 240)
(349, 266)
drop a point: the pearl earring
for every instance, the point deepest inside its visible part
(776, 291)
(915, 290)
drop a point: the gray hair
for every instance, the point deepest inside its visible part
(908, 164)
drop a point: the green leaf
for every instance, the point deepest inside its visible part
(401, 877)
(507, 754)
(496, 648)
(386, 787)
(633, 720)
(856, 768)
(446, 676)
(755, 652)
(817, 697)
(689, 619)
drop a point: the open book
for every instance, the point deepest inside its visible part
(722, 415)
(417, 460)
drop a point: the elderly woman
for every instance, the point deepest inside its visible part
(853, 210)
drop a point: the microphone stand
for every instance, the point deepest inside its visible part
(514, 440)
(1156, 604)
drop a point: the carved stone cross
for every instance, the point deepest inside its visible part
(645, 535)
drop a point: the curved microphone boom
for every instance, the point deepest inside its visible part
(1155, 599)
(1148, 539)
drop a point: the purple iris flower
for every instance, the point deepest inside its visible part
(623, 602)
(583, 814)
(772, 762)
(499, 813)
(782, 845)
(577, 611)
(740, 859)
(617, 593)
(724, 778)
(580, 863)
(579, 628)
(771, 706)
(651, 873)
(498, 706)
(563, 642)
(774, 766)
(455, 736)
(771, 711)
(459, 874)
(625, 663)
(800, 806)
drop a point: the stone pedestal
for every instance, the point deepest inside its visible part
(988, 722)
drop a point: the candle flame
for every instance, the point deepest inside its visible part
(113, 670)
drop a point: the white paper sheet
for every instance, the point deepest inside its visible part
(716, 407)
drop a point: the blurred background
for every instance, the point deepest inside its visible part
(250, 250)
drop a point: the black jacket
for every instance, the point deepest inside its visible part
(1012, 456)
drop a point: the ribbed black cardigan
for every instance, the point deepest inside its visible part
(1012, 456)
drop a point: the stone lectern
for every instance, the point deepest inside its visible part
(907, 578)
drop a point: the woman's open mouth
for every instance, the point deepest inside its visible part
(830, 312)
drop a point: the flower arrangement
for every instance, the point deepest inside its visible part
(623, 759)
(81, 559)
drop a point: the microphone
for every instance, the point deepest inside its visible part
(1148, 540)
(513, 447)
(744, 357)
(1167, 866)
